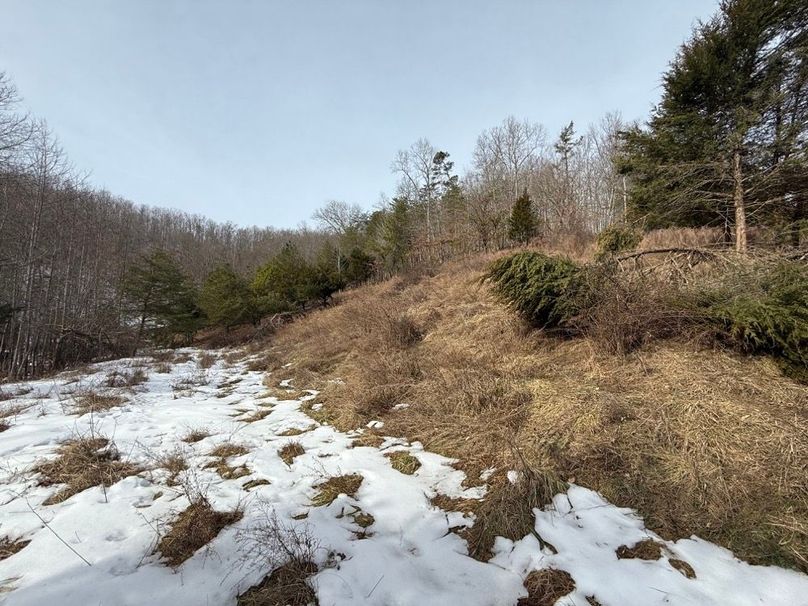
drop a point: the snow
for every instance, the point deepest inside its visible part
(410, 556)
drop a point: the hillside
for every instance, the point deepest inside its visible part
(699, 440)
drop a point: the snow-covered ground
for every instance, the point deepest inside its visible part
(408, 556)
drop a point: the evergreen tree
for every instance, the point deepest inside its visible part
(226, 298)
(281, 284)
(358, 267)
(523, 223)
(725, 142)
(163, 298)
(396, 235)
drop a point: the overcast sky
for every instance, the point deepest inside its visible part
(257, 112)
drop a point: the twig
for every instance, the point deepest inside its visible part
(56, 534)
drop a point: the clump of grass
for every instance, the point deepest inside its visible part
(545, 587)
(206, 360)
(82, 463)
(295, 431)
(255, 483)
(367, 439)
(194, 528)
(507, 511)
(223, 452)
(4, 425)
(162, 368)
(289, 551)
(447, 503)
(683, 567)
(195, 435)
(290, 451)
(174, 462)
(93, 402)
(228, 449)
(647, 549)
(318, 412)
(182, 357)
(126, 379)
(8, 547)
(257, 416)
(404, 462)
(335, 486)
(189, 382)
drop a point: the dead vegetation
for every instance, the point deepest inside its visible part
(194, 435)
(289, 551)
(699, 440)
(222, 453)
(647, 549)
(174, 462)
(206, 360)
(92, 402)
(257, 416)
(329, 490)
(119, 378)
(8, 547)
(403, 462)
(545, 587)
(195, 527)
(290, 451)
(83, 462)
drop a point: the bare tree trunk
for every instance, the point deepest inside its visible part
(740, 205)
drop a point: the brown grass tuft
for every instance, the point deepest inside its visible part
(8, 547)
(249, 485)
(228, 449)
(92, 402)
(647, 549)
(335, 486)
(683, 567)
(81, 464)
(367, 439)
(195, 435)
(257, 416)
(545, 587)
(194, 528)
(290, 451)
(126, 379)
(507, 511)
(206, 360)
(403, 462)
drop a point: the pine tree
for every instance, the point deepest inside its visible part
(724, 143)
(226, 298)
(163, 298)
(281, 284)
(522, 224)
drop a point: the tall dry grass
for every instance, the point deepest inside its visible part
(698, 440)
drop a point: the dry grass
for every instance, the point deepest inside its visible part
(82, 463)
(126, 379)
(257, 416)
(404, 462)
(4, 425)
(223, 452)
(206, 360)
(228, 449)
(93, 402)
(367, 439)
(249, 485)
(162, 368)
(194, 528)
(702, 237)
(289, 552)
(8, 547)
(646, 549)
(290, 451)
(335, 486)
(295, 431)
(174, 462)
(507, 511)
(699, 440)
(194, 435)
(545, 587)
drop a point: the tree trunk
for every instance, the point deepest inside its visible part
(738, 201)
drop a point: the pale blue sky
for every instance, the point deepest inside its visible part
(258, 112)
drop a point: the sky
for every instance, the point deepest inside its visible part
(258, 112)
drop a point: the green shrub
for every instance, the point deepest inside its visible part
(768, 313)
(617, 238)
(549, 292)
